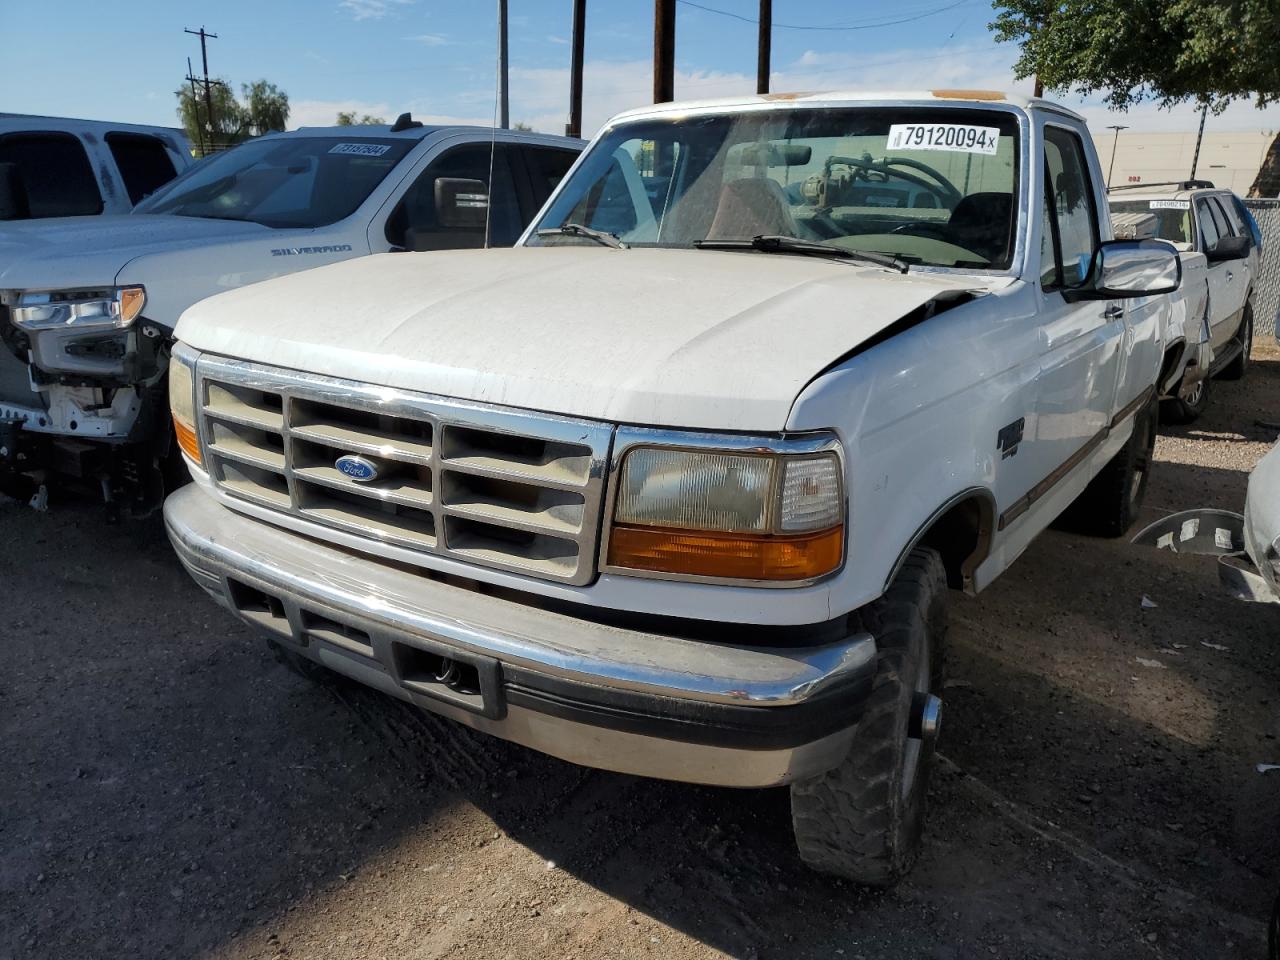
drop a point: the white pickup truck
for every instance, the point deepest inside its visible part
(677, 486)
(1219, 243)
(88, 304)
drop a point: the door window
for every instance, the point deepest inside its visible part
(143, 162)
(415, 224)
(1209, 232)
(55, 173)
(1069, 214)
(548, 166)
(1227, 226)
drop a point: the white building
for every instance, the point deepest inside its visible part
(1228, 158)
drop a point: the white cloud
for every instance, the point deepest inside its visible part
(370, 9)
(324, 113)
(431, 39)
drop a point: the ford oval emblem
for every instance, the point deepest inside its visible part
(359, 469)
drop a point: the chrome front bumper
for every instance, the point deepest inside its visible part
(620, 698)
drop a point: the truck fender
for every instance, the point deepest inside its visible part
(960, 529)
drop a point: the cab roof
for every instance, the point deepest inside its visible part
(943, 97)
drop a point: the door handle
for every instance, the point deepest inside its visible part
(1229, 274)
(1113, 312)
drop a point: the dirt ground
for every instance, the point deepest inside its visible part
(168, 790)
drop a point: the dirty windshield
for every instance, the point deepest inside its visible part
(1173, 217)
(924, 185)
(286, 182)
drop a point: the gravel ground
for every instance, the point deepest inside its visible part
(168, 790)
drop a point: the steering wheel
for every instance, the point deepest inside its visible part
(943, 189)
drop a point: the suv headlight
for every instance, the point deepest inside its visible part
(112, 308)
(744, 514)
(182, 401)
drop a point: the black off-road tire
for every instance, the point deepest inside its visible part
(1187, 406)
(1235, 370)
(1273, 933)
(861, 820)
(1110, 503)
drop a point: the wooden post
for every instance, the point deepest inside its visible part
(504, 113)
(765, 42)
(574, 127)
(664, 51)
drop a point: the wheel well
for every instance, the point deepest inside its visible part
(1172, 356)
(961, 533)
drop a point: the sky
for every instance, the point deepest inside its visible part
(121, 60)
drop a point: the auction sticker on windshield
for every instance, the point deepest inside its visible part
(1170, 204)
(361, 149)
(956, 137)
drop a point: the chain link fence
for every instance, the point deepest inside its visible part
(1266, 297)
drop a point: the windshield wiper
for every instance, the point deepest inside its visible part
(578, 230)
(779, 244)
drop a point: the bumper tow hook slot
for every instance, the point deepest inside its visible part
(448, 673)
(926, 718)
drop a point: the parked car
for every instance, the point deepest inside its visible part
(62, 167)
(1200, 219)
(89, 303)
(677, 486)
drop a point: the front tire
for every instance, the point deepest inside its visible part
(1235, 370)
(864, 819)
(1187, 406)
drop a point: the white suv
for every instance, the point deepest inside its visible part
(1195, 216)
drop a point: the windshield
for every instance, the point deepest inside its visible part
(928, 186)
(284, 182)
(1173, 217)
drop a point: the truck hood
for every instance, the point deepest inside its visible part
(88, 251)
(676, 338)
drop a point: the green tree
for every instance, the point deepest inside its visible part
(265, 107)
(521, 125)
(352, 120)
(1211, 52)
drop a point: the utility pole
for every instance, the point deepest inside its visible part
(504, 113)
(574, 127)
(208, 84)
(1195, 160)
(664, 51)
(765, 43)
(195, 108)
(1117, 127)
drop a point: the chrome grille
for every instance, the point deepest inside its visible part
(486, 485)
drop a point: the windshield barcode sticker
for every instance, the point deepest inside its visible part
(960, 137)
(1170, 205)
(361, 149)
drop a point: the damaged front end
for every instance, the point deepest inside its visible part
(82, 394)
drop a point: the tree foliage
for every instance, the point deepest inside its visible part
(346, 119)
(1211, 52)
(262, 108)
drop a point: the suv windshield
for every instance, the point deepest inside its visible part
(1173, 217)
(924, 185)
(285, 182)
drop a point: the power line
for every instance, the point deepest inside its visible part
(829, 27)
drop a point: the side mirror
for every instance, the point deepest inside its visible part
(461, 204)
(1229, 248)
(13, 194)
(1131, 268)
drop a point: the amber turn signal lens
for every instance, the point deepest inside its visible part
(727, 555)
(187, 439)
(132, 300)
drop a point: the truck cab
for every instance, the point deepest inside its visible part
(678, 486)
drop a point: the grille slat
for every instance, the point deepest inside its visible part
(484, 485)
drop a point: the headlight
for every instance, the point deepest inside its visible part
(746, 515)
(113, 308)
(182, 401)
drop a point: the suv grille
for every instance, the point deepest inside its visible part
(486, 485)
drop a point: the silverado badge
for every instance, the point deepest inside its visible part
(359, 469)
